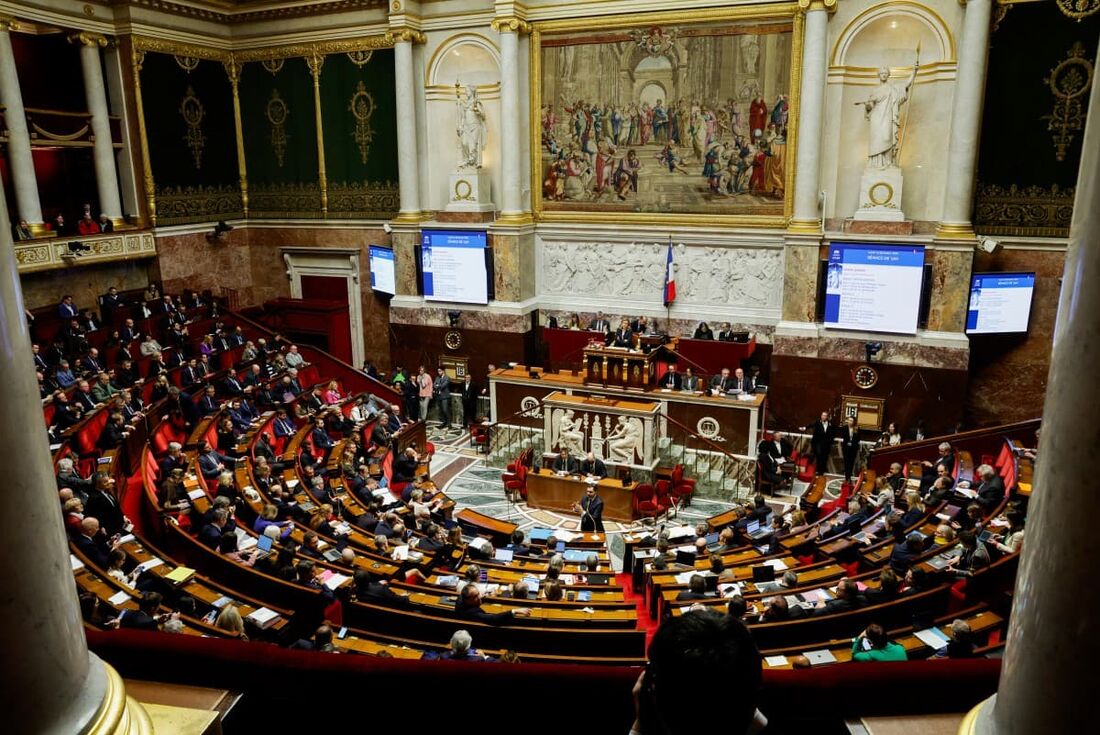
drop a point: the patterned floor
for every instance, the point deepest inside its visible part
(471, 483)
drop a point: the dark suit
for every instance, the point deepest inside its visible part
(210, 535)
(821, 443)
(769, 470)
(840, 605)
(671, 380)
(233, 386)
(104, 507)
(690, 382)
(623, 338)
(93, 550)
(849, 447)
(208, 464)
(283, 427)
(721, 384)
(470, 392)
(744, 384)
(592, 517)
(991, 492)
(138, 620)
(600, 325)
(568, 464)
(595, 467)
(207, 405)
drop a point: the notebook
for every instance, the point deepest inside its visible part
(504, 555)
(817, 658)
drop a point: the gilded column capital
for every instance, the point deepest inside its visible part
(8, 23)
(315, 62)
(512, 24)
(405, 34)
(808, 5)
(232, 70)
(87, 38)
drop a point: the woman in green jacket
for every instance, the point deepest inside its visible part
(872, 645)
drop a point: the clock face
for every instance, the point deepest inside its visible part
(453, 339)
(865, 376)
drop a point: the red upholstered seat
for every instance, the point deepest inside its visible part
(645, 501)
(664, 495)
(682, 487)
(518, 484)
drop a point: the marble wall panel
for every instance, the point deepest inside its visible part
(950, 289)
(893, 352)
(1008, 373)
(801, 264)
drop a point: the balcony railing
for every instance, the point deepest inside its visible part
(68, 252)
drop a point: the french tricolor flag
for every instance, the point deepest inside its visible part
(670, 279)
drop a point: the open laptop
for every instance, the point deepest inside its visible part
(763, 573)
(263, 546)
(504, 555)
(761, 529)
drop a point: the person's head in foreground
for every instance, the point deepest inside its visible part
(698, 656)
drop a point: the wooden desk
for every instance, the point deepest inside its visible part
(620, 367)
(551, 492)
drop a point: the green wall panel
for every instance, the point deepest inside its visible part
(192, 144)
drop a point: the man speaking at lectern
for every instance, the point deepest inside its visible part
(591, 510)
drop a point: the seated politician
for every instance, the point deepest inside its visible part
(592, 466)
(565, 463)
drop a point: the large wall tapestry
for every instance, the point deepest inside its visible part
(279, 120)
(660, 117)
(188, 106)
(359, 113)
(1041, 72)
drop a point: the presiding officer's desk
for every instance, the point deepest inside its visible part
(550, 491)
(734, 421)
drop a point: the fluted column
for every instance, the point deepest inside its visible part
(407, 157)
(511, 147)
(103, 151)
(811, 111)
(53, 684)
(1048, 676)
(23, 178)
(966, 122)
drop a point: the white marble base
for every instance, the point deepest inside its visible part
(470, 191)
(880, 195)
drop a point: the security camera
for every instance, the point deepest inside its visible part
(221, 229)
(386, 228)
(76, 248)
(988, 245)
(453, 317)
(872, 349)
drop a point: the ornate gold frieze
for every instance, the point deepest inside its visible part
(222, 12)
(177, 205)
(187, 63)
(1033, 211)
(366, 200)
(361, 107)
(286, 200)
(276, 113)
(405, 35)
(192, 111)
(287, 51)
(1069, 82)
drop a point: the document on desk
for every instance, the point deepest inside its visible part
(196, 494)
(680, 532)
(76, 563)
(118, 598)
(684, 577)
(778, 564)
(933, 638)
(822, 656)
(565, 536)
(774, 661)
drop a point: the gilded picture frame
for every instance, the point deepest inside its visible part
(710, 172)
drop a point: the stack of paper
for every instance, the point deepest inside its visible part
(933, 638)
(77, 564)
(263, 617)
(817, 658)
(566, 536)
(775, 661)
(335, 579)
(118, 599)
(179, 575)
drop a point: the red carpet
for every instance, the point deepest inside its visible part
(638, 598)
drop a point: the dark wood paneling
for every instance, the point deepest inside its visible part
(413, 345)
(802, 387)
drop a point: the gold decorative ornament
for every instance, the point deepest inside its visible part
(395, 6)
(360, 57)
(361, 107)
(883, 199)
(193, 113)
(137, 58)
(1078, 9)
(316, 62)
(1029, 211)
(452, 340)
(87, 38)
(187, 63)
(510, 24)
(273, 66)
(463, 191)
(233, 71)
(1069, 82)
(404, 35)
(276, 113)
(865, 377)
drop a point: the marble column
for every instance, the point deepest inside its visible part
(408, 159)
(1048, 676)
(966, 122)
(54, 685)
(23, 177)
(811, 110)
(511, 147)
(103, 152)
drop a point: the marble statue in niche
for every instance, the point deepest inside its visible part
(570, 433)
(883, 111)
(471, 127)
